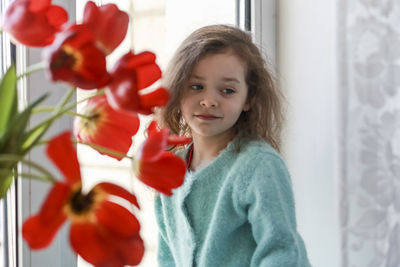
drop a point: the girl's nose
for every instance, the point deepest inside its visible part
(208, 101)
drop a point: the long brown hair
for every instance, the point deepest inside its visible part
(265, 117)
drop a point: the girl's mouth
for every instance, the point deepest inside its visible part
(207, 117)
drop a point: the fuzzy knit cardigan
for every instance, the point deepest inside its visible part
(236, 211)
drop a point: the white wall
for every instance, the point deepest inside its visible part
(183, 17)
(307, 65)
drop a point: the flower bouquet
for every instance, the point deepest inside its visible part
(76, 54)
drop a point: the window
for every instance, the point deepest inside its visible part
(156, 25)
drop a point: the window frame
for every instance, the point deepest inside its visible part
(26, 196)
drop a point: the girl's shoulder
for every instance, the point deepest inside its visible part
(259, 168)
(256, 158)
(258, 149)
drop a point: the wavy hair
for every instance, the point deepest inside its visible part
(264, 119)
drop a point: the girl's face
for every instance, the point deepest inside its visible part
(215, 95)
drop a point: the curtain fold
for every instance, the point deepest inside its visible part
(369, 75)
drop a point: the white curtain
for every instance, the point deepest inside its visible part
(369, 74)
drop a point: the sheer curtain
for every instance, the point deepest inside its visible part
(369, 73)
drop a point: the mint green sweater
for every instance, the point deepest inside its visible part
(236, 211)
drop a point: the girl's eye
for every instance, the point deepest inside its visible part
(196, 86)
(228, 91)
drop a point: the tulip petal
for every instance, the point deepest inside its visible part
(108, 23)
(165, 174)
(63, 154)
(116, 131)
(147, 75)
(32, 22)
(114, 262)
(38, 5)
(38, 235)
(133, 61)
(56, 16)
(116, 139)
(76, 36)
(122, 95)
(92, 73)
(113, 25)
(177, 140)
(124, 227)
(116, 190)
(153, 128)
(53, 205)
(173, 140)
(89, 244)
(130, 74)
(153, 99)
(131, 250)
(74, 58)
(106, 127)
(90, 13)
(154, 146)
(100, 247)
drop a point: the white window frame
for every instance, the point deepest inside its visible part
(260, 17)
(28, 195)
(25, 197)
(8, 229)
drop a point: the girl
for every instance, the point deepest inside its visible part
(236, 206)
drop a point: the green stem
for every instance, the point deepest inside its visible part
(32, 68)
(62, 108)
(36, 177)
(51, 109)
(43, 109)
(40, 169)
(98, 93)
(10, 157)
(104, 150)
(70, 106)
(42, 142)
(57, 112)
(28, 175)
(66, 98)
(16, 158)
(79, 115)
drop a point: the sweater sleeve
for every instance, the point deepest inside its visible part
(270, 205)
(164, 254)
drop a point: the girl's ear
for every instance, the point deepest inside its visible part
(246, 106)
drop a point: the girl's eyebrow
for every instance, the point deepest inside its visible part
(197, 77)
(227, 79)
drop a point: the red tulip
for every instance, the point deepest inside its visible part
(106, 127)
(157, 168)
(34, 22)
(131, 74)
(95, 234)
(108, 23)
(74, 58)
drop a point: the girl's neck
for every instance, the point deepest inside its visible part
(205, 149)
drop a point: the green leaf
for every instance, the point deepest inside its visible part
(15, 135)
(31, 137)
(8, 98)
(5, 183)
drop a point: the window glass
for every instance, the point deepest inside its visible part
(158, 26)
